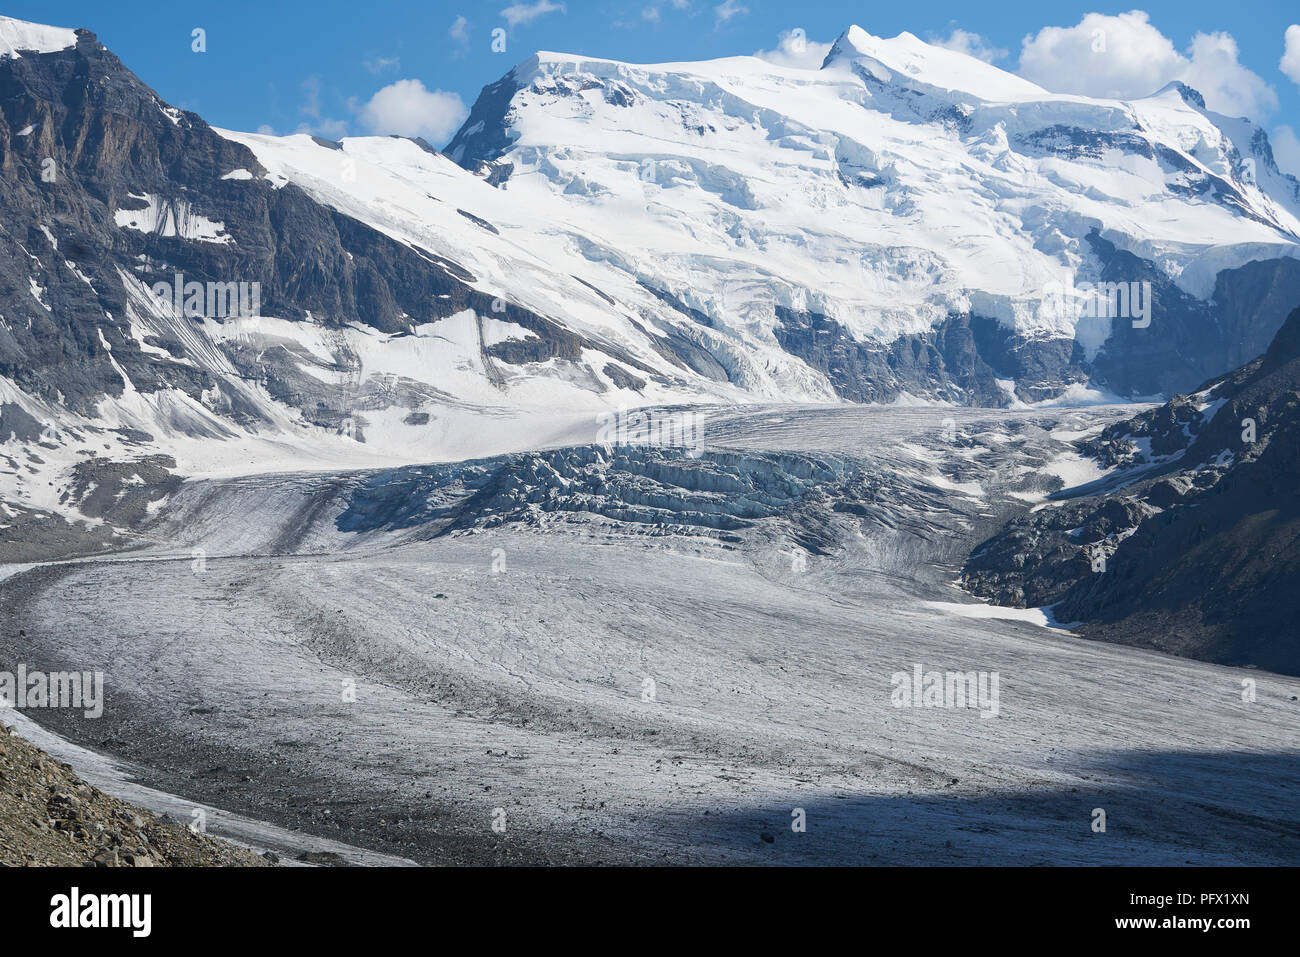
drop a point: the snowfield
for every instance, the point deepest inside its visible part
(398, 659)
(18, 37)
(899, 183)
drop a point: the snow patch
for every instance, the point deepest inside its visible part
(171, 218)
(19, 36)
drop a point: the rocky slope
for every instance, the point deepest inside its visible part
(50, 817)
(1191, 542)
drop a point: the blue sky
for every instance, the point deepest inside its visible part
(339, 68)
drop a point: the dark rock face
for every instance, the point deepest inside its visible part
(1192, 544)
(114, 495)
(958, 361)
(1189, 340)
(479, 221)
(17, 424)
(102, 143)
(1072, 142)
(962, 357)
(121, 492)
(480, 150)
(622, 378)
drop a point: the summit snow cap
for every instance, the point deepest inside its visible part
(909, 60)
(18, 37)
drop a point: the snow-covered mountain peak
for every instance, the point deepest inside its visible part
(900, 184)
(19, 36)
(911, 60)
(1184, 92)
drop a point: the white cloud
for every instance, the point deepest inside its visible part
(311, 89)
(1290, 64)
(1124, 56)
(528, 12)
(459, 30)
(329, 129)
(266, 129)
(381, 63)
(408, 109)
(796, 50)
(320, 125)
(727, 10)
(1228, 87)
(1286, 150)
(652, 13)
(972, 44)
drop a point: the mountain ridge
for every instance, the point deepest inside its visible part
(1190, 543)
(593, 130)
(752, 257)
